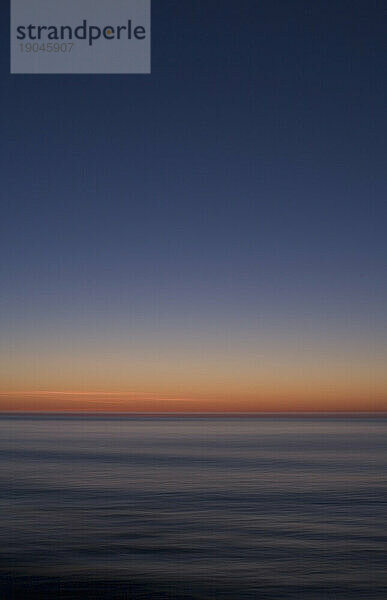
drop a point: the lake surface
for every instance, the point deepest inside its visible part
(256, 507)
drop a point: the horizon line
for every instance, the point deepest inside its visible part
(195, 413)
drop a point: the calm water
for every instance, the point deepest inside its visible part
(229, 508)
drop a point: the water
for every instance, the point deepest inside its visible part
(198, 508)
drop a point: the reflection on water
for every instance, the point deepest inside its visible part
(161, 507)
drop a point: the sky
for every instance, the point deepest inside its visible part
(210, 237)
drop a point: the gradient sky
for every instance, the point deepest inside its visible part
(211, 236)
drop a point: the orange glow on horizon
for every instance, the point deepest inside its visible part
(147, 402)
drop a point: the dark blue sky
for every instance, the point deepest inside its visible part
(242, 184)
